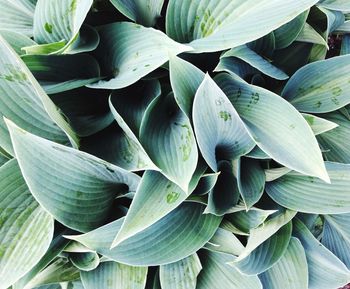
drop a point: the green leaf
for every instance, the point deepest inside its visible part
(310, 35)
(115, 275)
(57, 73)
(16, 40)
(250, 180)
(17, 16)
(274, 174)
(76, 188)
(61, 270)
(85, 261)
(129, 104)
(336, 150)
(339, 5)
(326, 271)
(185, 79)
(217, 25)
(319, 125)
(320, 86)
(286, 34)
(291, 271)
(247, 220)
(275, 134)
(125, 59)
(217, 274)
(168, 138)
(176, 236)
(266, 230)
(266, 254)
(57, 245)
(143, 12)
(255, 60)
(225, 194)
(128, 112)
(310, 195)
(155, 197)
(26, 230)
(221, 134)
(19, 90)
(181, 274)
(336, 236)
(59, 20)
(225, 242)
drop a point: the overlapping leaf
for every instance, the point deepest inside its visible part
(76, 188)
(125, 60)
(23, 100)
(26, 229)
(176, 236)
(217, 25)
(275, 125)
(310, 195)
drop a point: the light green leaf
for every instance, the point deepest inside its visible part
(26, 230)
(176, 236)
(286, 34)
(144, 12)
(61, 270)
(221, 134)
(266, 254)
(168, 138)
(17, 16)
(19, 90)
(247, 220)
(274, 174)
(319, 125)
(114, 275)
(16, 40)
(57, 245)
(250, 180)
(326, 271)
(85, 261)
(58, 20)
(335, 141)
(310, 35)
(50, 48)
(275, 134)
(217, 274)
(266, 230)
(125, 59)
(339, 5)
(181, 274)
(320, 86)
(236, 66)
(155, 197)
(217, 25)
(257, 153)
(225, 242)
(336, 236)
(291, 271)
(57, 73)
(185, 78)
(252, 58)
(310, 195)
(76, 188)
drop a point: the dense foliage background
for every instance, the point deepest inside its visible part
(174, 144)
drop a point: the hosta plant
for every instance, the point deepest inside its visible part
(181, 144)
